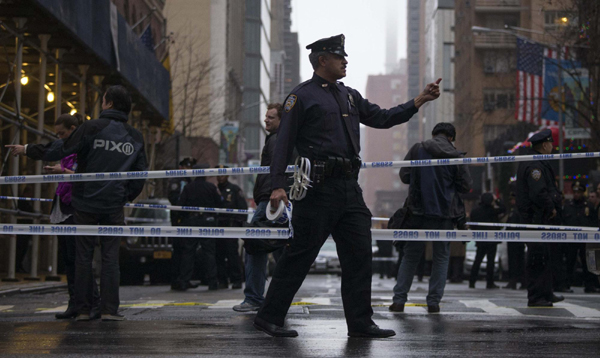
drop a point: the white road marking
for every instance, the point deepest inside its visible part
(4, 308)
(331, 291)
(491, 308)
(317, 300)
(579, 311)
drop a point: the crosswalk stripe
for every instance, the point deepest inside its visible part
(490, 307)
(4, 308)
(579, 311)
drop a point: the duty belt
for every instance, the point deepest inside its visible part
(334, 167)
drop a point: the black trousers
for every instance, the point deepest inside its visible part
(539, 271)
(337, 208)
(489, 250)
(516, 262)
(229, 268)
(109, 276)
(575, 251)
(67, 246)
(184, 253)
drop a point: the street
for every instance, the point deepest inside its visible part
(473, 322)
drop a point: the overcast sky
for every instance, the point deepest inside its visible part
(363, 24)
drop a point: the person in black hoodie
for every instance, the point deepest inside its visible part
(488, 213)
(106, 144)
(433, 199)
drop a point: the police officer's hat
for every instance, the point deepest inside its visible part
(334, 44)
(578, 187)
(541, 137)
(188, 162)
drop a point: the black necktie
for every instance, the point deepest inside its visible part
(344, 111)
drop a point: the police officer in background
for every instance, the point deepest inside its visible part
(321, 119)
(228, 258)
(539, 202)
(197, 193)
(579, 212)
(176, 186)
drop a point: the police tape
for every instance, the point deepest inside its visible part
(166, 207)
(538, 227)
(275, 233)
(162, 174)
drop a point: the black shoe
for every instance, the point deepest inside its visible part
(71, 312)
(492, 287)
(95, 312)
(556, 298)
(397, 307)
(272, 329)
(511, 286)
(540, 303)
(433, 308)
(471, 284)
(373, 331)
(236, 285)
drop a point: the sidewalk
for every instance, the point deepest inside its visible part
(29, 286)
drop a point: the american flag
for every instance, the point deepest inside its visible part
(530, 81)
(147, 38)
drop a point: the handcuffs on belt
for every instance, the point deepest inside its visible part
(331, 167)
(301, 179)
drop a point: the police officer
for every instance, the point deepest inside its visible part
(516, 250)
(579, 212)
(321, 120)
(197, 193)
(539, 202)
(227, 255)
(176, 186)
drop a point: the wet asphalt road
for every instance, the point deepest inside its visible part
(160, 322)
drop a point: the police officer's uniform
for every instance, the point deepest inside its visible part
(175, 187)
(538, 198)
(579, 213)
(197, 193)
(321, 120)
(227, 255)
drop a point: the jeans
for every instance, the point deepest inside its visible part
(109, 277)
(256, 266)
(413, 250)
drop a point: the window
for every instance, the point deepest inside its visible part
(492, 132)
(560, 18)
(396, 84)
(447, 72)
(396, 98)
(498, 99)
(499, 62)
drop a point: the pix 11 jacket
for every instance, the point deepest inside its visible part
(106, 144)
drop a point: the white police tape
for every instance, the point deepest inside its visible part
(275, 233)
(538, 227)
(161, 174)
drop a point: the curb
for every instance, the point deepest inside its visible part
(36, 289)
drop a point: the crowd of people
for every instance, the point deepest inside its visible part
(319, 120)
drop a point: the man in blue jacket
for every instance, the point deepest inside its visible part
(434, 202)
(106, 144)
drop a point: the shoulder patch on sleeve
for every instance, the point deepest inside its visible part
(536, 174)
(290, 102)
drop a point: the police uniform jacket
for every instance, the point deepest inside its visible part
(537, 193)
(579, 213)
(199, 193)
(106, 144)
(312, 122)
(233, 198)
